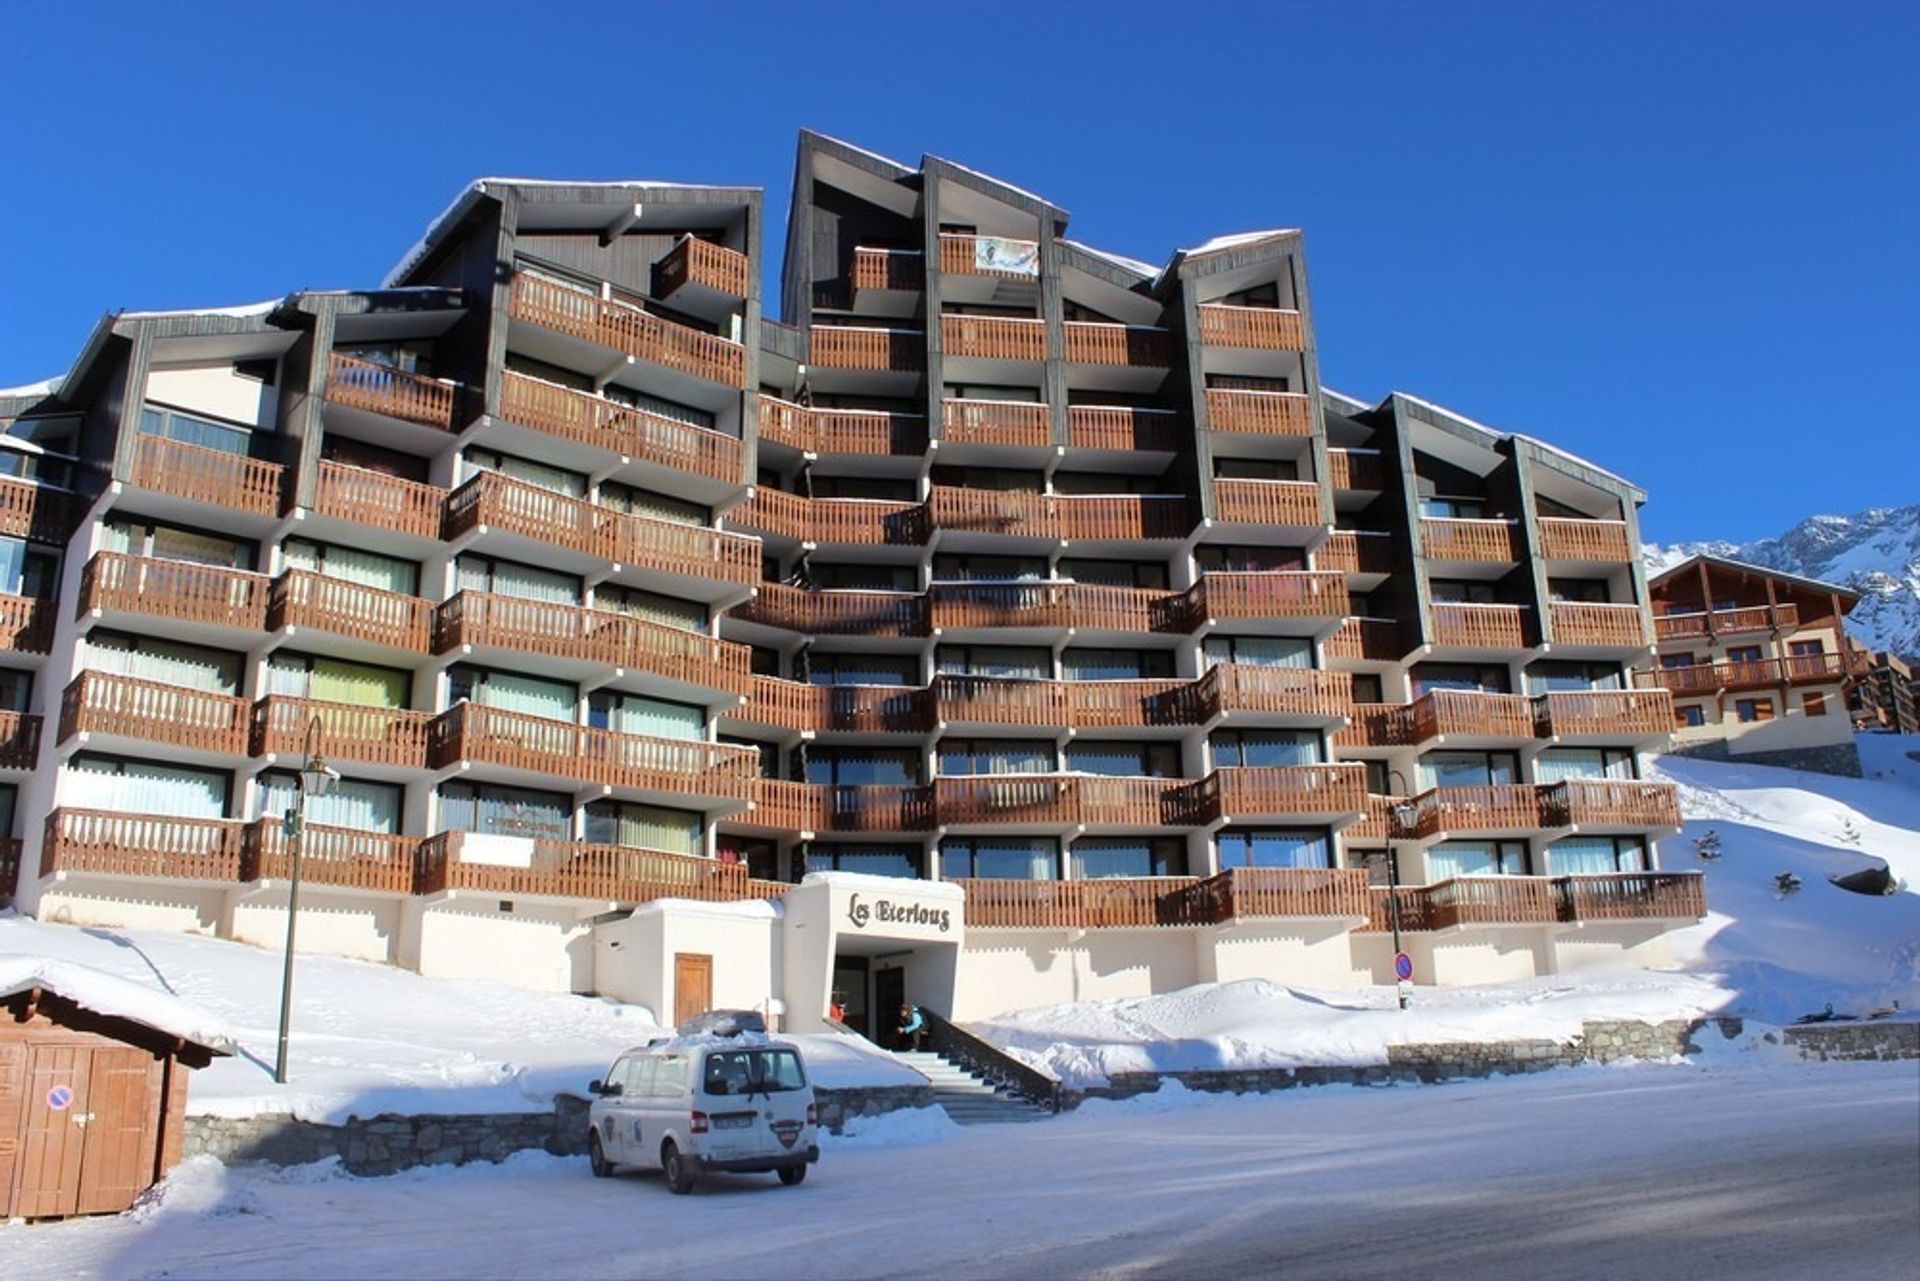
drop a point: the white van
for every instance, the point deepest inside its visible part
(695, 1104)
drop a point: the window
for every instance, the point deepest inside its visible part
(1476, 858)
(884, 488)
(645, 827)
(652, 717)
(1089, 664)
(761, 857)
(1743, 653)
(1454, 591)
(968, 756)
(1690, 716)
(1469, 769)
(1216, 558)
(349, 565)
(1273, 847)
(658, 406)
(1550, 676)
(510, 578)
(28, 571)
(874, 860)
(351, 803)
(1257, 651)
(374, 458)
(995, 479)
(211, 671)
(1488, 678)
(859, 669)
(1752, 710)
(863, 766)
(1597, 855)
(1588, 591)
(958, 567)
(1556, 764)
(1115, 573)
(554, 479)
(1266, 747)
(1806, 648)
(1095, 858)
(768, 764)
(1439, 507)
(331, 681)
(1034, 662)
(862, 578)
(651, 607)
(1814, 705)
(1000, 858)
(16, 692)
(492, 810)
(1672, 661)
(1093, 482)
(170, 542)
(512, 692)
(1123, 759)
(190, 429)
(1367, 688)
(9, 795)
(1256, 468)
(146, 787)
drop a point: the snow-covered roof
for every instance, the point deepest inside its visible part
(1119, 260)
(1765, 571)
(1239, 238)
(1353, 403)
(997, 182)
(111, 995)
(244, 309)
(42, 388)
(1494, 433)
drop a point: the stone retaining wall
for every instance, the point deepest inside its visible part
(1842, 759)
(1855, 1041)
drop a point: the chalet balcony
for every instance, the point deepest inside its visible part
(1371, 640)
(179, 590)
(1262, 328)
(861, 709)
(1268, 502)
(1315, 595)
(375, 617)
(1260, 413)
(841, 431)
(1487, 542)
(1537, 900)
(26, 625)
(1443, 714)
(1353, 552)
(1161, 901)
(1634, 896)
(1296, 693)
(895, 351)
(1381, 822)
(1053, 606)
(1491, 900)
(1745, 620)
(19, 745)
(1460, 625)
(34, 511)
(103, 704)
(999, 257)
(1597, 626)
(698, 264)
(1141, 704)
(1377, 725)
(1233, 793)
(635, 434)
(1604, 714)
(865, 522)
(887, 271)
(1254, 893)
(1603, 541)
(819, 807)
(583, 314)
(156, 846)
(556, 749)
(385, 502)
(1356, 469)
(574, 870)
(575, 635)
(1610, 803)
(993, 337)
(992, 700)
(1131, 346)
(339, 858)
(285, 727)
(1057, 801)
(1123, 429)
(393, 393)
(1511, 807)
(1010, 423)
(1118, 518)
(835, 613)
(211, 476)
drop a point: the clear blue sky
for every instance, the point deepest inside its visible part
(1679, 240)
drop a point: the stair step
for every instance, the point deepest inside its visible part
(966, 1097)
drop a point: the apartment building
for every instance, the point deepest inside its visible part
(1758, 663)
(1010, 622)
(1885, 693)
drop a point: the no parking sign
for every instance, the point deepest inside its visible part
(60, 1098)
(1403, 967)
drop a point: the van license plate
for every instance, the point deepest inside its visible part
(733, 1120)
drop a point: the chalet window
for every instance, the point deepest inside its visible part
(863, 578)
(960, 567)
(1743, 654)
(1123, 759)
(554, 479)
(884, 488)
(1256, 468)
(970, 756)
(352, 803)
(16, 693)
(1752, 710)
(1461, 592)
(1266, 747)
(645, 827)
(1588, 591)
(1367, 688)
(171, 542)
(213, 671)
(1561, 763)
(1439, 507)
(863, 766)
(650, 717)
(1476, 858)
(1557, 675)
(127, 786)
(1489, 678)
(192, 429)
(351, 565)
(874, 860)
(1115, 573)
(1033, 662)
(1000, 858)
(330, 680)
(1257, 651)
(1690, 716)
(652, 506)
(761, 857)
(768, 764)
(1085, 663)
(859, 669)
(1597, 855)
(1469, 769)
(1095, 858)
(1273, 847)
(1814, 705)
(510, 578)
(1218, 558)
(512, 692)
(493, 810)
(652, 607)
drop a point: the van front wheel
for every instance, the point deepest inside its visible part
(792, 1174)
(597, 1158)
(674, 1166)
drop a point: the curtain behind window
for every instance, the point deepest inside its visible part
(142, 787)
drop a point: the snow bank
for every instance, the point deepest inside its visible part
(907, 1126)
(105, 993)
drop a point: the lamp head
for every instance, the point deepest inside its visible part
(317, 777)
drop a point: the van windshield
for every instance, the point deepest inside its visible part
(754, 1072)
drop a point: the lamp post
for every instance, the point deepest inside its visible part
(316, 779)
(1404, 814)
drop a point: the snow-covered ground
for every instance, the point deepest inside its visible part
(1781, 1170)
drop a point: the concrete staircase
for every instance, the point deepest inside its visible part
(965, 1097)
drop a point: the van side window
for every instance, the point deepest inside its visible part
(670, 1078)
(617, 1075)
(640, 1078)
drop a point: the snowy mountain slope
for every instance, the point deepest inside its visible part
(1875, 552)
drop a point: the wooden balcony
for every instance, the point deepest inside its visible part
(1625, 714)
(1356, 469)
(174, 589)
(575, 870)
(573, 632)
(841, 431)
(862, 709)
(1585, 540)
(19, 746)
(26, 625)
(580, 313)
(1263, 328)
(1268, 595)
(1293, 692)
(211, 476)
(1086, 606)
(1055, 801)
(283, 726)
(124, 707)
(336, 857)
(387, 502)
(1374, 640)
(393, 393)
(1634, 896)
(1125, 704)
(28, 510)
(1495, 808)
(1260, 413)
(1135, 346)
(864, 522)
(1538, 900)
(1382, 821)
(1601, 626)
(1465, 714)
(993, 700)
(888, 270)
(1726, 622)
(1252, 893)
(1815, 669)
(1119, 517)
(1378, 725)
(636, 434)
(1356, 553)
(818, 807)
(1110, 903)
(993, 337)
(1268, 502)
(703, 264)
(835, 613)
(563, 749)
(1495, 542)
(961, 255)
(896, 351)
(1492, 900)
(303, 599)
(1123, 429)
(1467, 626)
(1283, 791)
(160, 846)
(1012, 423)
(1610, 803)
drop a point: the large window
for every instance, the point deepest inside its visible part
(510, 578)
(962, 567)
(1489, 678)
(1085, 663)
(1115, 573)
(1217, 558)
(652, 607)
(1597, 855)
(145, 787)
(191, 429)
(1477, 858)
(512, 692)
(1469, 769)
(1556, 764)
(863, 766)
(1123, 759)
(1258, 651)
(491, 810)
(1273, 847)
(860, 669)
(850, 576)
(331, 681)
(170, 542)
(962, 756)
(27, 571)
(212, 671)
(351, 802)
(1265, 747)
(554, 479)
(645, 827)
(1551, 676)
(1095, 858)
(653, 717)
(1033, 662)
(353, 566)
(16, 692)
(651, 505)
(873, 860)
(1000, 858)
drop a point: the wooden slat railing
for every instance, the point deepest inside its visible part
(1259, 413)
(1088, 606)
(1562, 538)
(1359, 469)
(820, 807)
(1605, 802)
(1471, 714)
(701, 262)
(1122, 428)
(175, 589)
(575, 870)
(1268, 502)
(1109, 903)
(1274, 691)
(1414, 914)
(1120, 517)
(620, 429)
(1313, 593)
(898, 270)
(900, 351)
(1539, 900)
(544, 745)
(602, 636)
(994, 337)
(1378, 725)
(1382, 821)
(1726, 622)
(835, 613)
(857, 521)
(370, 498)
(1094, 343)
(1356, 552)
(336, 857)
(866, 709)
(19, 748)
(149, 845)
(1266, 328)
(1472, 626)
(1492, 808)
(1295, 892)
(868, 431)
(1483, 541)
(284, 726)
(1261, 791)
(1577, 623)
(26, 624)
(211, 476)
(1492, 900)
(997, 422)
(1124, 704)
(959, 256)
(1634, 896)
(552, 304)
(97, 702)
(377, 389)
(34, 511)
(302, 598)
(999, 701)
(1369, 639)
(1634, 713)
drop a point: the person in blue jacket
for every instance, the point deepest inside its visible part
(913, 1028)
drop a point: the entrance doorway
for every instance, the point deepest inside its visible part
(692, 985)
(889, 994)
(850, 993)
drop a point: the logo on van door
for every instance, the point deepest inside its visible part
(888, 912)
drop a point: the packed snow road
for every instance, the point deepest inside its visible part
(1782, 1170)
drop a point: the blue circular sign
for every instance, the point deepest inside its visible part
(60, 1098)
(1403, 967)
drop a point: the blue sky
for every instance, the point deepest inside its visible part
(1679, 240)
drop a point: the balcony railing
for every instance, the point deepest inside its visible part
(1726, 622)
(336, 857)
(1352, 552)
(866, 709)
(1492, 900)
(1539, 900)
(841, 431)
(573, 870)
(543, 745)
(1704, 678)
(694, 261)
(1265, 328)
(994, 337)
(1468, 714)
(34, 511)
(19, 744)
(818, 807)
(1268, 595)
(1605, 802)
(1087, 606)
(1251, 792)
(122, 706)
(963, 255)
(620, 429)
(1124, 517)
(1056, 800)
(1121, 428)
(997, 422)
(146, 845)
(1260, 413)
(174, 589)
(1140, 346)
(896, 270)
(1483, 541)
(594, 635)
(1470, 626)
(26, 625)
(379, 389)
(1378, 725)
(1273, 691)
(1492, 808)
(284, 726)
(1595, 540)
(1268, 502)
(835, 613)
(1613, 626)
(1368, 639)
(370, 498)
(1634, 896)
(301, 598)
(1358, 469)
(860, 521)
(1639, 713)
(1382, 821)
(1109, 903)
(211, 476)
(583, 314)
(1244, 893)
(899, 351)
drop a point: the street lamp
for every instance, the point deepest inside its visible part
(1404, 814)
(316, 779)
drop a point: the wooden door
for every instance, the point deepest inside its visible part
(47, 1181)
(13, 1117)
(122, 1124)
(692, 985)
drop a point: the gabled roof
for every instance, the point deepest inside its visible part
(1761, 571)
(113, 997)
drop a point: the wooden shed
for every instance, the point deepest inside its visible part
(93, 1086)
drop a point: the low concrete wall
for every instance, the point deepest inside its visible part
(390, 1143)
